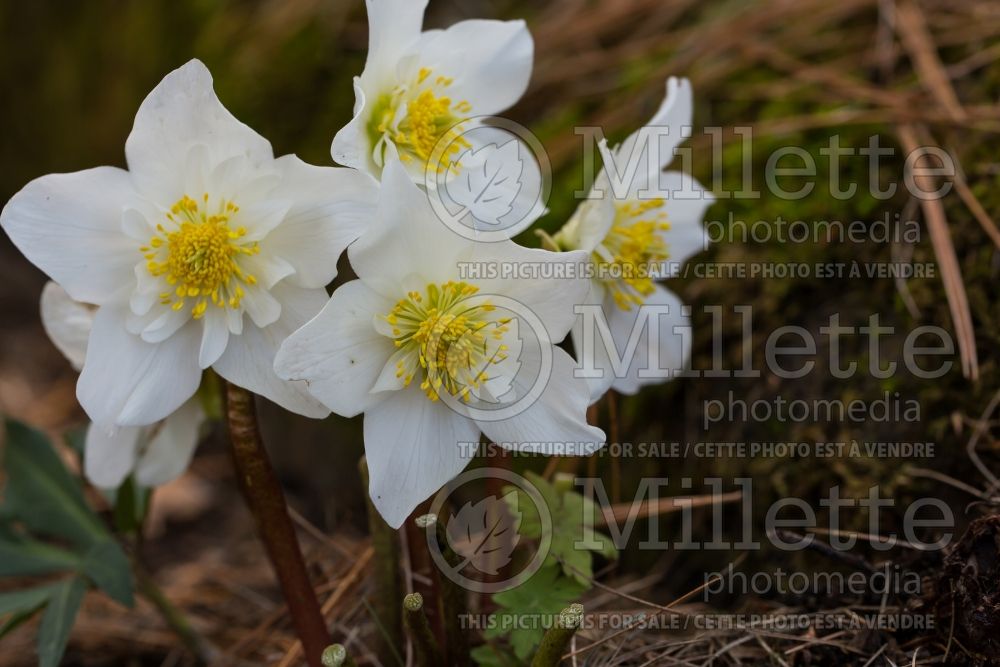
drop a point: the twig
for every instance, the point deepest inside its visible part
(876, 654)
(950, 481)
(266, 501)
(771, 652)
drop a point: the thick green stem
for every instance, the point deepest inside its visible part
(388, 583)
(424, 644)
(453, 596)
(266, 501)
(557, 638)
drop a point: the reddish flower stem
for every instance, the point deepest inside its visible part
(266, 501)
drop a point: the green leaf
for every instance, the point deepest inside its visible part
(42, 493)
(541, 597)
(16, 619)
(31, 598)
(57, 621)
(22, 605)
(490, 655)
(22, 555)
(108, 567)
(572, 519)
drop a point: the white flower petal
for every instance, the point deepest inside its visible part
(136, 221)
(180, 112)
(601, 359)
(590, 223)
(165, 323)
(67, 323)
(261, 306)
(556, 423)
(261, 217)
(268, 268)
(407, 240)
(413, 447)
(685, 209)
(490, 61)
(130, 382)
(234, 319)
(249, 358)
(169, 451)
(214, 336)
(553, 303)
(351, 146)
(338, 354)
(228, 177)
(70, 226)
(333, 207)
(109, 453)
(147, 290)
(393, 25)
(674, 349)
(390, 379)
(663, 133)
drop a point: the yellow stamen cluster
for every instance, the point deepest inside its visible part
(431, 119)
(196, 254)
(633, 251)
(452, 340)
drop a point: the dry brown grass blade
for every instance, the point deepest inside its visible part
(830, 78)
(912, 26)
(916, 37)
(294, 654)
(630, 510)
(944, 250)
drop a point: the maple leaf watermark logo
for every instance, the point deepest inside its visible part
(511, 365)
(476, 546)
(485, 533)
(489, 179)
(488, 182)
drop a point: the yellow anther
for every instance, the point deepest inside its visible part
(637, 249)
(449, 338)
(199, 255)
(431, 119)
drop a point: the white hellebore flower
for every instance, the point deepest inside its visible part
(415, 347)
(155, 454)
(649, 229)
(207, 252)
(422, 88)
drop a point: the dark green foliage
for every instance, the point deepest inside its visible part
(47, 528)
(530, 608)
